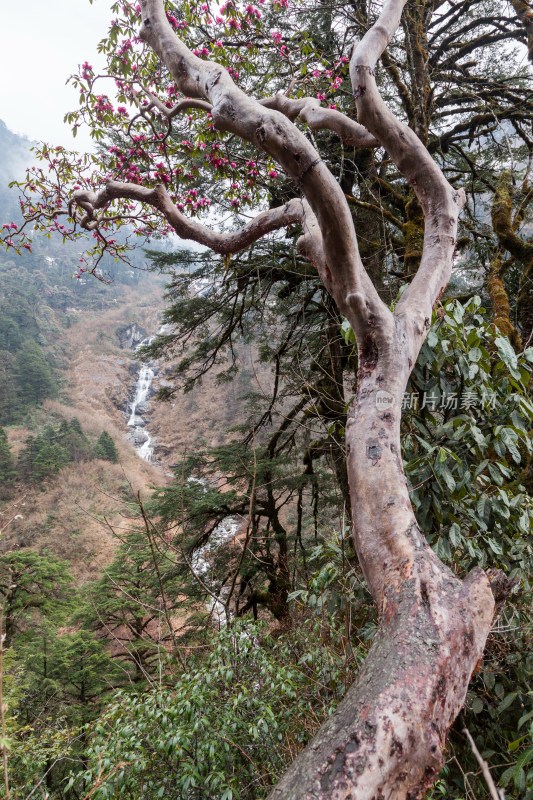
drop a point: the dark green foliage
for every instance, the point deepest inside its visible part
(227, 727)
(62, 682)
(30, 584)
(46, 454)
(105, 448)
(43, 456)
(26, 373)
(7, 466)
(35, 378)
(74, 440)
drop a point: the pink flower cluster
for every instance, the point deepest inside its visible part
(178, 25)
(86, 71)
(252, 11)
(193, 202)
(161, 173)
(102, 105)
(125, 47)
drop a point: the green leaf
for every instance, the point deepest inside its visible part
(477, 705)
(507, 355)
(432, 339)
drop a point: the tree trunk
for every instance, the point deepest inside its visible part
(386, 739)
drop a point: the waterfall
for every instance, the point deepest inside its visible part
(225, 531)
(140, 436)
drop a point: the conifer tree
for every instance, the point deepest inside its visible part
(35, 378)
(7, 465)
(105, 448)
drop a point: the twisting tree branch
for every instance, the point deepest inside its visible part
(235, 112)
(223, 243)
(439, 201)
(310, 111)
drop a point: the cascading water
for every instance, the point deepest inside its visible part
(140, 435)
(200, 564)
(226, 530)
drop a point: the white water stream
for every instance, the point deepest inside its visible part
(140, 435)
(142, 390)
(225, 531)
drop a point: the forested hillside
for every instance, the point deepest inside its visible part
(245, 584)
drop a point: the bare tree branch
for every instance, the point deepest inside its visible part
(158, 198)
(439, 201)
(310, 111)
(235, 112)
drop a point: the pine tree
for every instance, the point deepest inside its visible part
(35, 378)
(29, 581)
(8, 388)
(43, 455)
(7, 465)
(74, 440)
(105, 448)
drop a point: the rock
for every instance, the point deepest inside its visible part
(130, 336)
(138, 437)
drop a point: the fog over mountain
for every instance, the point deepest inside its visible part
(15, 158)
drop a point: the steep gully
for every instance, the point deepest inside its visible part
(143, 443)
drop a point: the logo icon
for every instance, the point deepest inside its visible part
(384, 400)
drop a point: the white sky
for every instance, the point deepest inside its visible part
(41, 44)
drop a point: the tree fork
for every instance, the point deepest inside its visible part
(386, 740)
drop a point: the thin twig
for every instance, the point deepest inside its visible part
(2, 712)
(494, 791)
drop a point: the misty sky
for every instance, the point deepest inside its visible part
(41, 44)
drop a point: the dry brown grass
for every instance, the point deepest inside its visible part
(72, 515)
(202, 417)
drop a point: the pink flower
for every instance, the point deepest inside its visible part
(277, 37)
(252, 11)
(272, 173)
(320, 96)
(86, 71)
